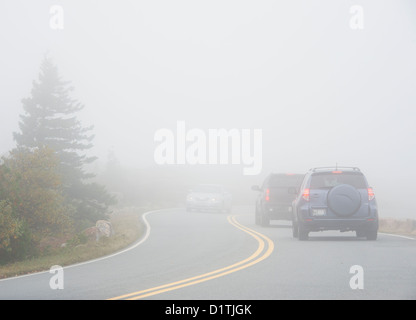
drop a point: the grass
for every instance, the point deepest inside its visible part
(406, 227)
(127, 227)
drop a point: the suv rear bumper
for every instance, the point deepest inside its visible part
(278, 211)
(340, 224)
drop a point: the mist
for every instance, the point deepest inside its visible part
(321, 92)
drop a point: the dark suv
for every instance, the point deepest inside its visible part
(275, 200)
(335, 199)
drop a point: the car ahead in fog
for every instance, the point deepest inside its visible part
(208, 197)
(335, 199)
(274, 201)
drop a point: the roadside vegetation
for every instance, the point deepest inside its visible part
(128, 228)
(405, 227)
(46, 194)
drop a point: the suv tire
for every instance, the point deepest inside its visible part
(344, 200)
(265, 220)
(303, 233)
(257, 217)
(372, 234)
(360, 233)
(295, 230)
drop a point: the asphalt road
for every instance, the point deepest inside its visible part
(202, 255)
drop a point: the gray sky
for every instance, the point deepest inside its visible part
(321, 92)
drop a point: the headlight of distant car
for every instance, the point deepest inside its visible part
(189, 198)
(215, 199)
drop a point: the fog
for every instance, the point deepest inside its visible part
(321, 92)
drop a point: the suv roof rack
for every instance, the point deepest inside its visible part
(335, 168)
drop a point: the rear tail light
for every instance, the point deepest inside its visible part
(267, 198)
(305, 194)
(370, 193)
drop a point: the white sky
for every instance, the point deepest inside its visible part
(321, 92)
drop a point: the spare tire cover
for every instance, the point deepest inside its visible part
(344, 200)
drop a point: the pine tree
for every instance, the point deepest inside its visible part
(50, 120)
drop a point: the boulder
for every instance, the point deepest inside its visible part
(104, 227)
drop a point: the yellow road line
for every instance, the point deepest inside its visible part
(254, 255)
(253, 259)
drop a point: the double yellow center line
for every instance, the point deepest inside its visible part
(264, 250)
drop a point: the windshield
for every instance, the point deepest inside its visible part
(329, 180)
(207, 189)
(286, 181)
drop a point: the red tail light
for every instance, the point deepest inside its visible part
(305, 194)
(370, 193)
(267, 195)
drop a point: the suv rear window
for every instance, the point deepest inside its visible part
(286, 180)
(324, 180)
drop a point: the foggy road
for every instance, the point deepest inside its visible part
(202, 255)
(110, 106)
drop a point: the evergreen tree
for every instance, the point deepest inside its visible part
(50, 119)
